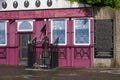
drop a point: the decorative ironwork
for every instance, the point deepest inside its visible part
(82, 52)
(4, 5)
(15, 4)
(55, 48)
(32, 53)
(49, 56)
(34, 45)
(54, 53)
(45, 59)
(45, 42)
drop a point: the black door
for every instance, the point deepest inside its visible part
(23, 41)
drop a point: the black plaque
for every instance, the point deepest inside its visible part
(4, 5)
(37, 3)
(26, 3)
(49, 3)
(103, 38)
(15, 4)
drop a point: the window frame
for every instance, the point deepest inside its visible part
(65, 19)
(89, 19)
(5, 22)
(24, 30)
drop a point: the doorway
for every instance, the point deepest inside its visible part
(23, 48)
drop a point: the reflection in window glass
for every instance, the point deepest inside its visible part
(58, 30)
(2, 33)
(81, 29)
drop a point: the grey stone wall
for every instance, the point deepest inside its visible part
(109, 13)
(117, 38)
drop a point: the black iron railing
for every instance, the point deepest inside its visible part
(31, 52)
(54, 53)
(49, 56)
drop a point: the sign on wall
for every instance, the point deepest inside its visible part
(103, 38)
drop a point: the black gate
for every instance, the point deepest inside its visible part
(49, 58)
(54, 54)
(103, 38)
(32, 53)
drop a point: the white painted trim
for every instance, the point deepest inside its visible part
(89, 33)
(45, 19)
(82, 18)
(58, 18)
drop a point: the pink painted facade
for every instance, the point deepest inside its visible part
(69, 54)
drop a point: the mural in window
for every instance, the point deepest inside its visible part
(59, 30)
(81, 32)
(3, 34)
(25, 25)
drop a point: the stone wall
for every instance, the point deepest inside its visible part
(109, 13)
(117, 38)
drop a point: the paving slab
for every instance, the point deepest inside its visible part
(64, 73)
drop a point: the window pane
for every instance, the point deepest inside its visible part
(58, 30)
(24, 52)
(25, 25)
(2, 33)
(81, 31)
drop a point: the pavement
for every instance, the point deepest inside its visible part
(63, 73)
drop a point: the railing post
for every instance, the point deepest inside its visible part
(31, 52)
(29, 55)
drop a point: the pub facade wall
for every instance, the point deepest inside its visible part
(60, 20)
(43, 14)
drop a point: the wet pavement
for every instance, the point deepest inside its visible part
(66, 73)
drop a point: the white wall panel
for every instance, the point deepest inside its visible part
(55, 4)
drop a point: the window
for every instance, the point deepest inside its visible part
(81, 31)
(3, 33)
(58, 29)
(25, 25)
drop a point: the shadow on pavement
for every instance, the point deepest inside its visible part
(70, 73)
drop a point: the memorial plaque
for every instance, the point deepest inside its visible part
(103, 38)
